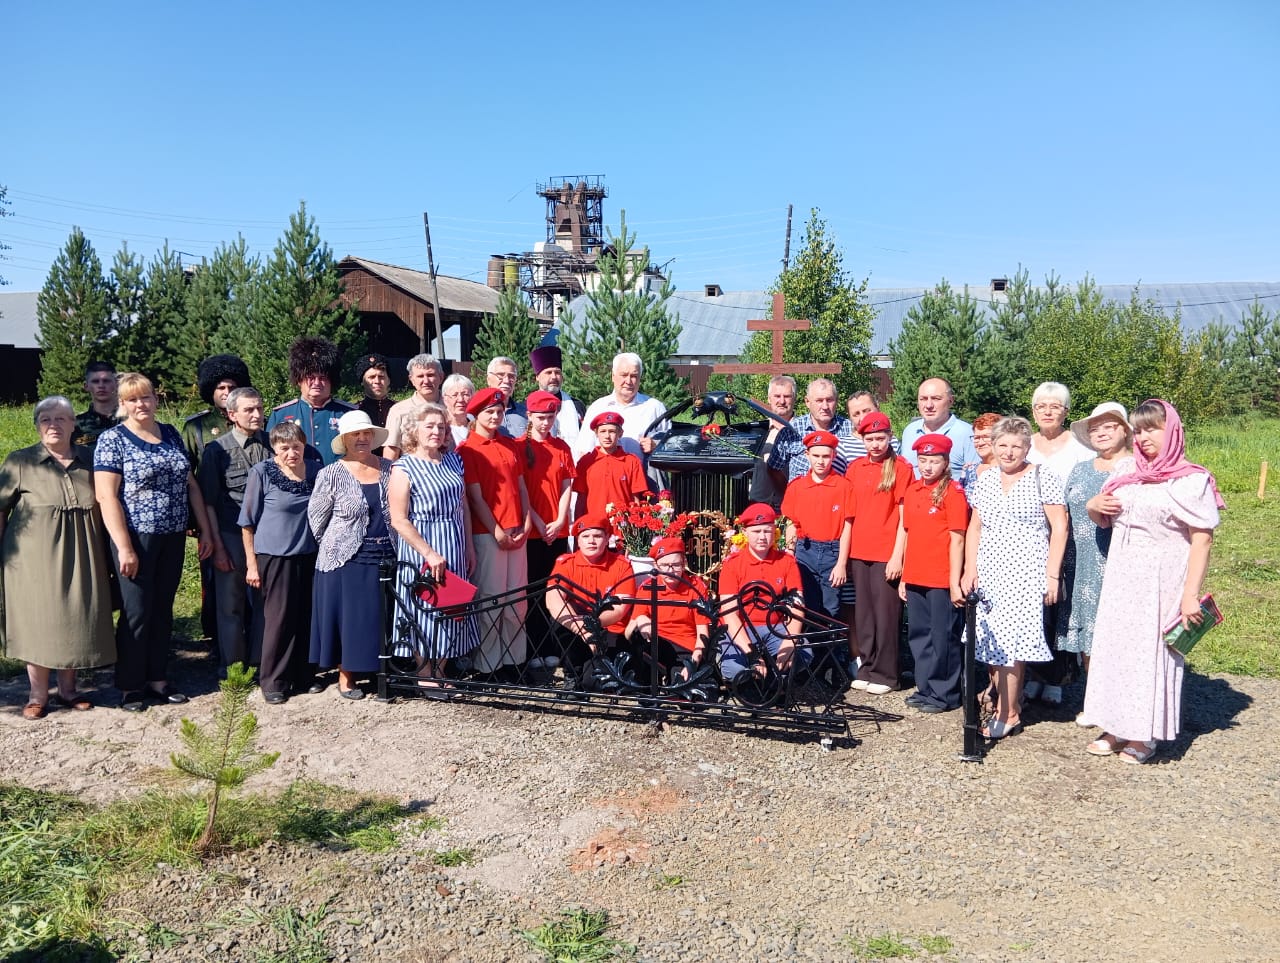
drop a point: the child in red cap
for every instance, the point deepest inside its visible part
(682, 629)
(608, 475)
(935, 516)
(758, 561)
(819, 508)
(879, 479)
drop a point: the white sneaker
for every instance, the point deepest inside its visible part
(878, 688)
(860, 683)
(1082, 722)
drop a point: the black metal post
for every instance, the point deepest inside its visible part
(386, 577)
(973, 743)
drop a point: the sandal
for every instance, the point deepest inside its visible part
(77, 701)
(1106, 746)
(1137, 753)
(34, 710)
(998, 729)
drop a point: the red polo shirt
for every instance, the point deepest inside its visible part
(494, 464)
(875, 514)
(552, 464)
(680, 626)
(596, 578)
(928, 558)
(604, 479)
(777, 569)
(819, 509)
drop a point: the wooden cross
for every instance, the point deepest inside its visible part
(779, 324)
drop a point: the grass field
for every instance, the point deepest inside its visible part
(1244, 573)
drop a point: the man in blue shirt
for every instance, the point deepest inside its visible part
(934, 401)
(315, 366)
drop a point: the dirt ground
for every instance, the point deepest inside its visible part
(706, 845)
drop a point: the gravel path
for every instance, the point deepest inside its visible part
(715, 846)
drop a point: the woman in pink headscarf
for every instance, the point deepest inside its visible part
(1163, 515)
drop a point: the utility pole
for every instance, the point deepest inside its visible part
(786, 251)
(435, 298)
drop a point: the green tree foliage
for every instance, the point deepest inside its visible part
(73, 316)
(158, 327)
(127, 291)
(222, 299)
(508, 333)
(298, 296)
(622, 315)
(1251, 362)
(818, 288)
(225, 754)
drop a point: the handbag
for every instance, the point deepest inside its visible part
(1184, 640)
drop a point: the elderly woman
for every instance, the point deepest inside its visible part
(1013, 554)
(1106, 432)
(144, 484)
(456, 394)
(280, 560)
(973, 470)
(1163, 515)
(56, 596)
(429, 512)
(349, 517)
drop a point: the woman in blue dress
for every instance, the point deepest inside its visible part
(430, 515)
(348, 516)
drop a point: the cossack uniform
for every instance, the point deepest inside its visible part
(320, 425)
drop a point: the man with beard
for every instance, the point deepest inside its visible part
(314, 367)
(548, 370)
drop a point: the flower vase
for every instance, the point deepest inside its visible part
(641, 564)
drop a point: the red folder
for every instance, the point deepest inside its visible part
(454, 590)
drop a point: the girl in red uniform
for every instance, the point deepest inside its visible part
(935, 516)
(880, 481)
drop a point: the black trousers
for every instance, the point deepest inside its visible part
(539, 626)
(878, 620)
(934, 632)
(144, 631)
(286, 624)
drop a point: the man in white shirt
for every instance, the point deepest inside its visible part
(934, 401)
(638, 411)
(425, 374)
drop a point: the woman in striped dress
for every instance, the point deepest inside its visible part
(429, 512)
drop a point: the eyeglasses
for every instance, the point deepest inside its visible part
(1048, 406)
(670, 568)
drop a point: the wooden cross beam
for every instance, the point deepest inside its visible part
(779, 324)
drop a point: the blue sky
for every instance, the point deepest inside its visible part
(1131, 141)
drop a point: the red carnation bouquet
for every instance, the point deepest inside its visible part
(639, 524)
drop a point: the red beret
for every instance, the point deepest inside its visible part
(485, 398)
(606, 418)
(667, 546)
(590, 521)
(542, 402)
(821, 438)
(932, 445)
(873, 421)
(757, 514)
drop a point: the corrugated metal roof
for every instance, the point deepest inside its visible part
(716, 327)
(456, 294)
(18, 324)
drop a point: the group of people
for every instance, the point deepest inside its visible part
(1086, 541)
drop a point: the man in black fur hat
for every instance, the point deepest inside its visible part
(217, 377)
(315, 366)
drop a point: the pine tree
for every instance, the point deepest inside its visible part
(817, 288)
(127, 292)
(158, 328)
(226, 755)
(73, 317)
(623, 315)
(508, 333)
(299, 296)
(222, 299)
(1253, 362)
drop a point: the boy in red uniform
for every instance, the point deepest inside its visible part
(580, 578)
(935, 516)
(759, 561)
(608, 475)
(819, 505)
(499, 501)
(682, 630)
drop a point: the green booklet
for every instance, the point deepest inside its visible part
(1184, 640)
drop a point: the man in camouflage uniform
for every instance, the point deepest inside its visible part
(100, 383)
(315, 367)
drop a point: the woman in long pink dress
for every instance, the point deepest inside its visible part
(1163, 515)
